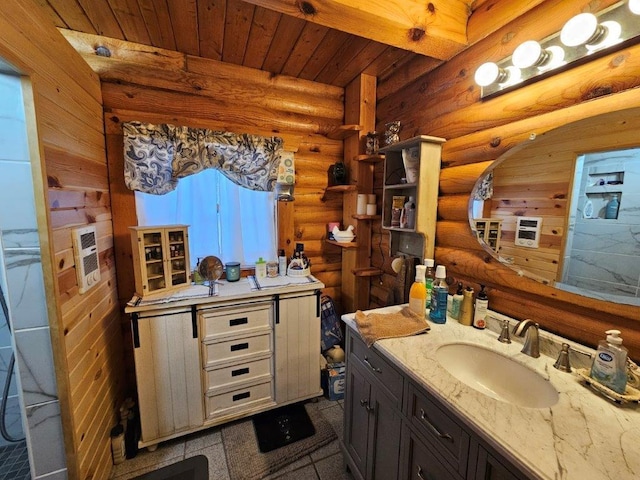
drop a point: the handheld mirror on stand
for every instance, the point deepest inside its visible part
(211, 270)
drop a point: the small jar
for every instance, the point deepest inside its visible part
(272, 269)
(232, 270)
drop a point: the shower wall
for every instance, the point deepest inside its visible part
(22, 272)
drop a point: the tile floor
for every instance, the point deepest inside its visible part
(325, 463)
(14, 462)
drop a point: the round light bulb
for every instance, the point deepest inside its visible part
(612, 31)
(556, 54)
(513, 76)
(486, 74)
(634, 6)
(528, 54)
(579, 30)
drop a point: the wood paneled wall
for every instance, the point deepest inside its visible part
(159, 86)
(446, 103)
(74, 192)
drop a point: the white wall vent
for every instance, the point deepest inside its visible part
(528, 232)
(85, 250)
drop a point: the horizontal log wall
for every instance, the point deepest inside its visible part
(158, 86)
(85, 329)
(446, 103)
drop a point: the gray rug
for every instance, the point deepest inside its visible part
(246, 462)
(192, 468)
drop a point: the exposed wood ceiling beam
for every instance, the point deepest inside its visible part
(436, 28)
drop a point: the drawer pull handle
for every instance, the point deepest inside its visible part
(375, 369)
(239, 346)
(241, 396)
(365, 404)
(240, 371)
(238, 321)
(419, 473)
(438, 433)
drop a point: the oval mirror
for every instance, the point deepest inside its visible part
(564, 207)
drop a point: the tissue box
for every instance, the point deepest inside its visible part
(333, 380)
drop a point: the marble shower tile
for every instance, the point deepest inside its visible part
(35, 364)
(607, 238)
(5, 358)
(45, 438)
(26, 289)
(17, 203)
(59, 475)
(13, 420)
(620, 269)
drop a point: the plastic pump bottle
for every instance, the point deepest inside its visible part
(611, 212)
(466, 309)
(429, 277)
(408, 214)
(439, 296)
(610, 363)
(418, 293)
(482, 304)
(456, 302)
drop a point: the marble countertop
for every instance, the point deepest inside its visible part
(224, 291)
(583, 436)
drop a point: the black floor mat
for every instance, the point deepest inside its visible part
(282, 426)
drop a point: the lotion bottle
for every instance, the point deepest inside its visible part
(418, 293)
(482, 304)
(610, 363)
(456, 302)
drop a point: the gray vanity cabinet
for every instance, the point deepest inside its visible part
(396, 429)
(372, 414)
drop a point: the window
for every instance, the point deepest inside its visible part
(231, 222)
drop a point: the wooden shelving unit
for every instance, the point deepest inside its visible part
(344, 131)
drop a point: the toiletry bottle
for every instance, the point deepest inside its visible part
(282, 262)
(610, 363)
(611, 212)
(466, 309)
(456, 302)
(408, 215)
(429, 276)
(418, 293)
(480, 313)
(439, 296)
(261, 268)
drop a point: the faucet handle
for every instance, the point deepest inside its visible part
(505, 337)
(563, 363)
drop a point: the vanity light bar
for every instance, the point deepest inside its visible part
(585, 36)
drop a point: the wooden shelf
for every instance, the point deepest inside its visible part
(400, 186)
(367, 272)
(343, 244)
(343, 131)
(369, 158)
(365, 217)
(338, 189)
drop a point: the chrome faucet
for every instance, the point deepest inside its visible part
(532, 340)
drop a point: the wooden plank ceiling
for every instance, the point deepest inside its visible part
(329, 41)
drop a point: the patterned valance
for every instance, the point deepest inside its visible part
(156, 156)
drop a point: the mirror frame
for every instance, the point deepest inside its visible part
(593, 137)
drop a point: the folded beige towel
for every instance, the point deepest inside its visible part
(389, 325)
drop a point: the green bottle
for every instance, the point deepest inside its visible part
(429, 276)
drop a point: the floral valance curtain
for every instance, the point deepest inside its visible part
(156, 156)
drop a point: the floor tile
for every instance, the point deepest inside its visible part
(333, 468)
(304, 473)
(326, 451)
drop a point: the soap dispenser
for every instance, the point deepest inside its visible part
(610, 363)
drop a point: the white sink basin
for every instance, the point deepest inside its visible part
(496, 375)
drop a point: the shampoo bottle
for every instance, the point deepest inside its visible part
(610, 363)
(482, 304)
(429, 277)
(456, 302)
(439, 296)
(466, 309)
(418, 293)
(611, 212)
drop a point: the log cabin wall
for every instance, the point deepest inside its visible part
(161, 86)
(446, 103)
(67, 143)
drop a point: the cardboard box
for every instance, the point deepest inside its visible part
(333, 380)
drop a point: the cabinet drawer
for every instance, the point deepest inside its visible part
(422, 463)
(217, 323)
(451, 441)
(237, 400)
(390, 379)
(229, 351)
(225, 378)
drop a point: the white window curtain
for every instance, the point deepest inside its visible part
(233, 223)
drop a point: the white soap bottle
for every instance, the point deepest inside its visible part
(610, 363)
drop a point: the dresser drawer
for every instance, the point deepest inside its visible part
(421, 463)
(237, 350)
(229, 321)
(227, 377)
(390, 379)
(451, 441)
(238, 400)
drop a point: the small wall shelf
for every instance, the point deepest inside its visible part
(365, 217)
(343, 131)
(343, 244)
(369, 158)
(367, 272)
(338, 189)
